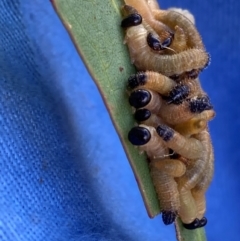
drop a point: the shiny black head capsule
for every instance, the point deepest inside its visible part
(139, 98)
(139, 136)
(131, 20)
(202, 222)
(192, 225)
(142, 115)
(155, 43)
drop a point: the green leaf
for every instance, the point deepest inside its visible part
(94, 27)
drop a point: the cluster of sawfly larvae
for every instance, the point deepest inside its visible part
(171, 108)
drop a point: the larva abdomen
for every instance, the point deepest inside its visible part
(205, 179)
(200, 201)
(163, 173)
(175, 64)
(195, 169)
(188, 209)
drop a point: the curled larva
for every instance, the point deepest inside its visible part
(146, 59)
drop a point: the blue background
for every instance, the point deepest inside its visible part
(63, 172)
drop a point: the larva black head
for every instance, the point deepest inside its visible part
(139, 136)
(153, 42)
(192, 225)
(200, 104)
(168, 217)
(142, 115)
(139, 98)
(137, 80)
(133, 19)
(165, 132)
(167, 42)
(178, 94)
(202, 222)
(156, 44)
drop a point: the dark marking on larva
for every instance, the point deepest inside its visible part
(131, 20)
(142, 115)
(193, 74)
(192, 225)
(139, 136)
(176, 77)
(165, 132)
(208, 62)
(168, 217)
(200, 104)
(178, 94)
(139, 98)
(137, 80)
